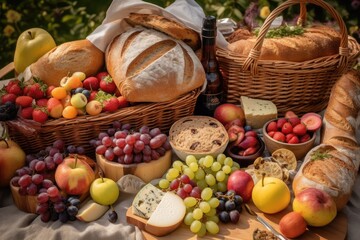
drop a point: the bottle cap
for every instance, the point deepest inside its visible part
(209, 27)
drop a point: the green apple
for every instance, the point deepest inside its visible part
(271, 195)
(104, 191)
(74, 176)
(30, 46)
(12, 157)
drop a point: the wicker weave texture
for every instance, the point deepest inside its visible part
(298, 86)
(33, 137)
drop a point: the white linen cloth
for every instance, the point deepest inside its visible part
(187, 12)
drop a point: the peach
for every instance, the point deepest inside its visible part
(228, 112)
(292, 225)
(54, 107)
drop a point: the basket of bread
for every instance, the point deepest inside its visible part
(293, 66)
(148, 75)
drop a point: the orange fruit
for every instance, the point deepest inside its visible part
(70, 112)
(292, 225)
(59, 93)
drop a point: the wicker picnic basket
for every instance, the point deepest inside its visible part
(298, 86)
(33, 136)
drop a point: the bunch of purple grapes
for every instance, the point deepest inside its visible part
(34, 179)
(53, 206)
(230, 206)
(123, 144)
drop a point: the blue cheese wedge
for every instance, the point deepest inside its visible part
(257, 111)
(146, 201)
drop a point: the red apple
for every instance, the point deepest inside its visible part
(316, 206)
(12, 157)
(242, 183)
(74, 176)
(228, 112)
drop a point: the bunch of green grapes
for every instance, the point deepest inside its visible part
(205, 172)
(201, 213)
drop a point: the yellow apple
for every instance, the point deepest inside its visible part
(104, 191)
(316, 206)
(30, 46)
(12, 157)
(271, 195)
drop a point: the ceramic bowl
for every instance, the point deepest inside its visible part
(244, 161)
(299, 149)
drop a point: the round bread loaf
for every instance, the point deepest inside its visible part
(150, 66)
(315, 42)
(167, 26)
(67, 58)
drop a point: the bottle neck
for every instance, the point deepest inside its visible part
(208, 48)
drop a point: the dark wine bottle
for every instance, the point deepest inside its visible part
(215, 91)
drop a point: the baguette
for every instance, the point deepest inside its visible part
(150, 66)
(334, 164)
(315, 42)
(67, 58)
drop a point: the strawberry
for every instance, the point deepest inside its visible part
(106, 82)
(37, 90)
(281, 122)
(26, 112)
(300, 129)
(92, 95)
(111, 105)
(24, 101)
(122, 102)
(15, 89)
(40, 115)
(294, 140)
(8, 97)
(91, 83)
(42, 102)
(279, 136)
(286, 128)
(271, 127)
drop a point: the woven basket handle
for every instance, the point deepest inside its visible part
(251, 61)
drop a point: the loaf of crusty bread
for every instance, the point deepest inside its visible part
(333, 165)
(67, 58)
(150, 66)
(167, 26)
(315, 42)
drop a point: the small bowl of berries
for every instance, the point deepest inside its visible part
(294, 133)
(245, 145)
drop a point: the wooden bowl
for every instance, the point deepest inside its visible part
(27, 203)
(299, 149)
(244, 161)
(146, 171)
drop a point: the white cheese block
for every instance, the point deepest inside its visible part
(146, 201)
(91, 211)
(170, 211)
(257, 111)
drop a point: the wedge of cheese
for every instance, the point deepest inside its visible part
(257, 111)
(146, 201)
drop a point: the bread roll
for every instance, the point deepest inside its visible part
(315, 42)
(333, 165)
(149, 66)
(67, 58)
(167, 26)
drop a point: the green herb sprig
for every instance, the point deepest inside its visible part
(282, 31)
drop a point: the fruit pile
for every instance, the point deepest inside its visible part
(36, 179)
(196, 181)
(77, 95)
(292, 129)
(125, 145)
(230, 206)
